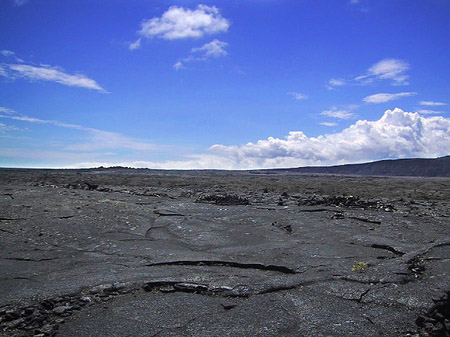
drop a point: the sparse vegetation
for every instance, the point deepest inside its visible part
(359, 267)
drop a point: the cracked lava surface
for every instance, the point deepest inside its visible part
(117, 252)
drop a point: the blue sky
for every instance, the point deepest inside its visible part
(222, 84)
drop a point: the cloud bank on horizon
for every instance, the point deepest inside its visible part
(397, 134)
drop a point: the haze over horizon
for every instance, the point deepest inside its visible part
(222, 84)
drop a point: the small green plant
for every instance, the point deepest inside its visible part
(359, 267)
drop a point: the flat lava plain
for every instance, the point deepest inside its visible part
(123, 252)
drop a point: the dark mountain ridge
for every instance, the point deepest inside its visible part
(415, 167)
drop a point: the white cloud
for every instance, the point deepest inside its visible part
(7, 53)
(328, 124)
(96, 139)
(48, 155)
(396, 134)
(336, 82)
(179, 23)
(340, 113)
(4, 127)
(179, 65)
(431, 103)
(20, 2)
(336, 113)
(429, 112)
(100, 140)
(6, 110)
(387, 69)
(135, 45)
(214, 48)
(52, 74)
(383, 97)
(298, 96)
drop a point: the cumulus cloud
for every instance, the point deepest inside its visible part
(298, 96)
(179, 23)
(431, 103)
(397, 134)
(383, 97)
(387, 69)
(52, 74)
(340, 113)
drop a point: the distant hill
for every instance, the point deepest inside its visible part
(417, 167)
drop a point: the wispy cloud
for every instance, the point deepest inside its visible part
(384, 97)
(44, 72)
(179, 65)
(20, 2)
(7, 53)
(340, 113)
(429, 112)
(330, 124)
(180, 23)
(6, 110)
(4, 127)
(397, 134)
(387, 69)
(52, 74)
(298, 96)
(393, 70)
(135, 45)
(361, 5)
(96, 139)
(335, 82)
(213, 49)
(431, 103)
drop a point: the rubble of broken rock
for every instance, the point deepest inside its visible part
(106, 252)
(223, 199)
(346, 201)
(436, 322)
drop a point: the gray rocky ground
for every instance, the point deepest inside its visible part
(211, 253)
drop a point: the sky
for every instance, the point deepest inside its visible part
(222, 84)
